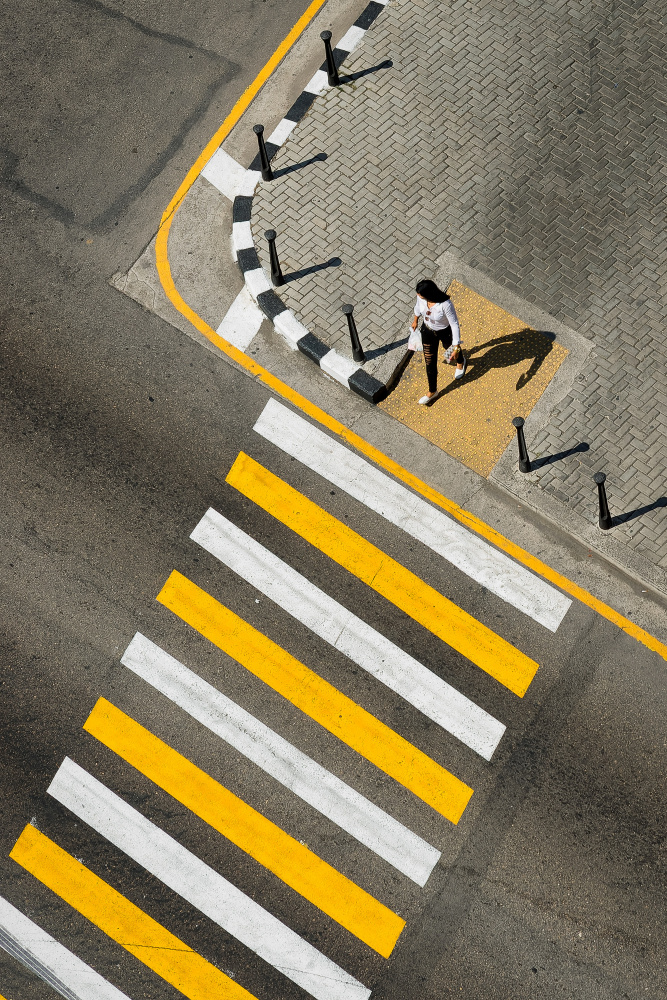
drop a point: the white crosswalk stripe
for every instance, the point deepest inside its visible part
(51, 961)
(241, 321)
(204, 888)
(359, 479)
(331, 621)
(359, 817)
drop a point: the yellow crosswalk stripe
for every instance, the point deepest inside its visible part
(294, 863)
(316, 697)
(397, 584)
(124, 922)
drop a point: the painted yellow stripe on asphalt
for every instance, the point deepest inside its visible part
(124, 922)
(297, 866)
(386, 576)
(317, 698)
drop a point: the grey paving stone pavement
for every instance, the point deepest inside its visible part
(527, 139)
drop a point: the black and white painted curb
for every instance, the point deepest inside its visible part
(226, 175)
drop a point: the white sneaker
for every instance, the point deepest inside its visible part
(425, 400)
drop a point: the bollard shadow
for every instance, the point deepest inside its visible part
(377, 352)
(318, 158)
(351, 77)
(295, 275)
(504, 352)
(539, 463)
(638, 512)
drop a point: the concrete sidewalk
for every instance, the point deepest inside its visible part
(527, 145)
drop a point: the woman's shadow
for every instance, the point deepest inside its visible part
(504, 352)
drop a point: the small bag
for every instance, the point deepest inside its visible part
(449, 352)
(415, 340)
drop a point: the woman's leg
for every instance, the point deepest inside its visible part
(430, 345)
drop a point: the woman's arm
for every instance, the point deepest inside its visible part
(450, 313)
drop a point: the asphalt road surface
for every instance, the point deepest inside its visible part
(118, 436)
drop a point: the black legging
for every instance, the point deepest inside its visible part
(430, 341)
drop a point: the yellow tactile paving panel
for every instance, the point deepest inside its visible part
(509, 367)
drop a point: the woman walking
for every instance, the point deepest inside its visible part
(439, 326)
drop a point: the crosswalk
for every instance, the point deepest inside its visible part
(355, 910)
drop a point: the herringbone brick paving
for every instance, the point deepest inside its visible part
(529, 140)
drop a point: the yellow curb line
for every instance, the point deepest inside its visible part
(284, 390)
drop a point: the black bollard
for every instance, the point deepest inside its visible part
(267, 173)
(524, 460)
(276, 273)
(604, 517)
(357, 349)
(332, 69)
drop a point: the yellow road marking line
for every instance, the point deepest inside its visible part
(122, 921)
(335, 426)
(337, 896)
(374, 567)
(316, 697)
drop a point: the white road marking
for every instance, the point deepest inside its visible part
(50, 960)
(224, 173)
(336, 625)
(242, 320)
(351, 38)
(468, 552)
(201, 886)
(345, 807)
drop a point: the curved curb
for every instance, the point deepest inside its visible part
(349, 373)
(274, 384)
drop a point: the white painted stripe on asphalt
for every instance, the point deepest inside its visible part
(224, 173)
(336, 625)
(345, 807)
(318, 84)
(242, 320)
(338, 367)
(468, 552)
(201, 886)
(351, 38)
(257, 281)
(282, 131)
(50, 960)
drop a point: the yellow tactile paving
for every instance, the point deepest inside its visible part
(509, 367)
